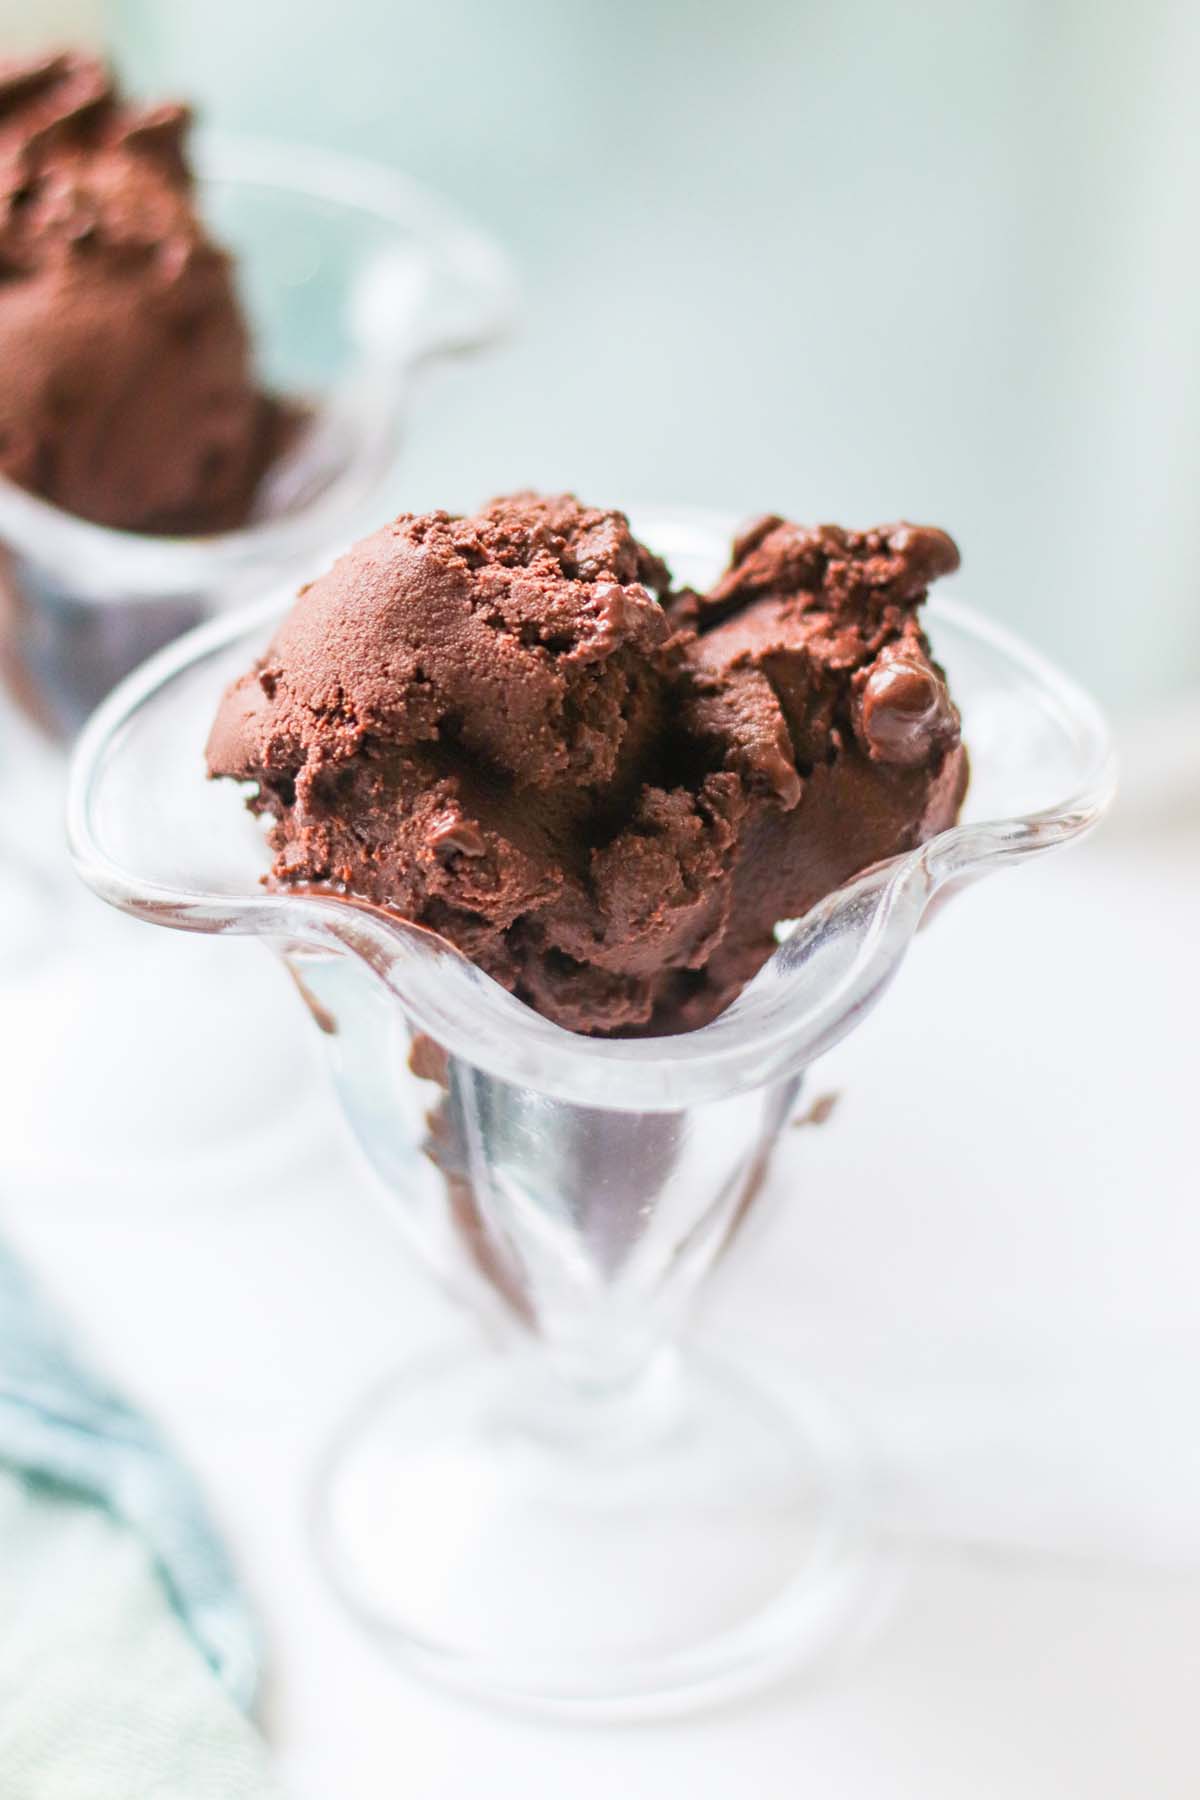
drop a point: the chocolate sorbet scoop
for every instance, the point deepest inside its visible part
(507, 729)
(128, 395)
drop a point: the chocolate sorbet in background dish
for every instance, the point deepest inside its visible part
(128, 394)
(508, 729)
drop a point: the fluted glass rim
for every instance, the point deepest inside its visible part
(782, 1021)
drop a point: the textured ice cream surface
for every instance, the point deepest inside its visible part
(128, 393)
(508, 729)
(811, 677)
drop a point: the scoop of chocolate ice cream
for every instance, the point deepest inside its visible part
(811, 678)
(128, 395)
(506, 729)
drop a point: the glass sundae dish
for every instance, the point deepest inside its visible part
(580, 1511)
(351, 276)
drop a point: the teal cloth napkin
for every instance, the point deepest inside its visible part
(128, 1655)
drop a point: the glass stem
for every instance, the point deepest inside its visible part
(587, 1405)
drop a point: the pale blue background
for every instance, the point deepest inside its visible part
(842, 260)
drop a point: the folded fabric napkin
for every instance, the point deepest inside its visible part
(128, 1656)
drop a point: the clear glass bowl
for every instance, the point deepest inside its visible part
(351, 275)
(583, 1517)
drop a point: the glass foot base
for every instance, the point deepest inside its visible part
(616, 1561)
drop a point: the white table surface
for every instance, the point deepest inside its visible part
(988, 1256)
